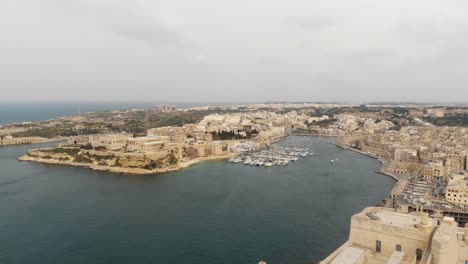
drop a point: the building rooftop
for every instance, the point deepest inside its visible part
(397, 219)
(153, 143)
(388, 217)
(349, 255)
(146, 138)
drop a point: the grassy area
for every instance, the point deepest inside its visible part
(69, 151)
(449, 120)
(51, 132)
(83, 159)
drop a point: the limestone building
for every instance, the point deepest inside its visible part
(110, 141)
(457, 190)
(176, 134)
(432, 170)
(406, 155)
(456, 163)
(147, 144)
(381, 235)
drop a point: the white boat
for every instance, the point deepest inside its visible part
(235, 160)
(332, 161)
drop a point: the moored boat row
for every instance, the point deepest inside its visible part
(275, 156)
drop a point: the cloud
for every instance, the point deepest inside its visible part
(266, 50)
(128, 19)
(311, 23)
(155, 35)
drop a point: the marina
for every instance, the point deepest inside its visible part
(273, 156)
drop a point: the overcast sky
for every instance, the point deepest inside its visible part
(234, 50)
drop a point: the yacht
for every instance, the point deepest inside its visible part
(235, 160)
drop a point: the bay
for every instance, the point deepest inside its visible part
(212, 212)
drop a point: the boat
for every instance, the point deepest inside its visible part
(273, 156)
(235, 160)
(332, 161)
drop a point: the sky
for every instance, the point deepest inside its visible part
(234, 50)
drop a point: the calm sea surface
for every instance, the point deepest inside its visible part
(214, 212)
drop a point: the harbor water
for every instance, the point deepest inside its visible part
(213, 212)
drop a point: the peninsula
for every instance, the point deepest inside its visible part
(169, 148)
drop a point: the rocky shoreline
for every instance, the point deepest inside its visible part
(182, 164)
(179, 166)
(124, 170)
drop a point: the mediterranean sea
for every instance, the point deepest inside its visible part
(213, 212)
(25, 112)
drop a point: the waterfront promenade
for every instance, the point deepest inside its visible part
(401, 180)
